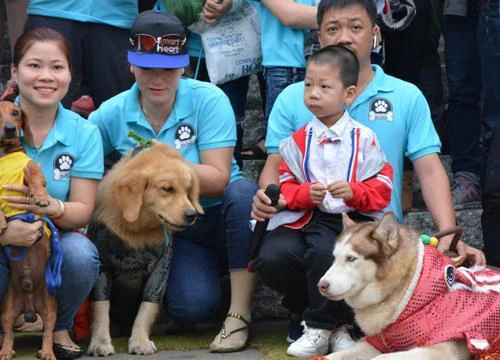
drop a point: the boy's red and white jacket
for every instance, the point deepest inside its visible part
(360, 162)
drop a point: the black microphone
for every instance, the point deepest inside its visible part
(273, 192)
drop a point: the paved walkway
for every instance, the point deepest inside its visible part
(249, 354)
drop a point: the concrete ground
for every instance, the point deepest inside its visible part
(248, 354)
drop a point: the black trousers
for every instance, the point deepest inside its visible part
(491, 204)
(292, 262)
(98, 56)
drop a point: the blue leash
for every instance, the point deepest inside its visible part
(53, 270)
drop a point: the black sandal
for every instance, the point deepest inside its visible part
(224, 334)
(67, 352)
(254, 152)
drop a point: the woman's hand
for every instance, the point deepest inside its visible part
(20, 233)
(26, 203)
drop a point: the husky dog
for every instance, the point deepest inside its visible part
(409, 299)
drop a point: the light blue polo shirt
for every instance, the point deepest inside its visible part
(282, 46)
(73, 148)
(118, 13)
(394, 109)
(201, 119)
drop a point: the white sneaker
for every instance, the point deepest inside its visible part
(341, 339)
(312, 342)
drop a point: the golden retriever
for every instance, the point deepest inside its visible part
(139, 198)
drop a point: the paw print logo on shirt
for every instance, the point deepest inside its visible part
(381, 109)
(62, 165)
(185, 135)
(381, 106)
(65, 162)
(184, 132)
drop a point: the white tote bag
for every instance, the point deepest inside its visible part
(232, 45)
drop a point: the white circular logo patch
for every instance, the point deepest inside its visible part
(62, 165)
(381, 109)
(184, 136)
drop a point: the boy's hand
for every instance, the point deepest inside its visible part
(317, 193)
(340, 189)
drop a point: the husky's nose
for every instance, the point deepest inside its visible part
(190, 216)
(10, 131)
(323, 285)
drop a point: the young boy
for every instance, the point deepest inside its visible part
(331, 165)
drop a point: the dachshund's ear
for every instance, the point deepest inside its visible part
(22, 120)
(127, 193)
(194, 194)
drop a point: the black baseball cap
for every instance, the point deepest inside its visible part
(158, 40)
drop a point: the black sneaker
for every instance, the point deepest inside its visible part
(295, 328)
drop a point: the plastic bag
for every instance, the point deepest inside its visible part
(232, 45)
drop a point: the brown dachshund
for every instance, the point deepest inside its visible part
(27, 291)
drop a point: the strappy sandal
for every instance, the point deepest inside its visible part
(224, 334)
(254, 152)
(65, 352)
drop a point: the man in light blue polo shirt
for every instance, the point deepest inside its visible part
(97, 32)
(400, 117)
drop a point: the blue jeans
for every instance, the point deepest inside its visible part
(218, 241)
(463, 69)
(277, 79)
(489, 49)
(79, 271)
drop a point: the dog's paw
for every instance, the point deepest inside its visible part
(41, 201)
(46, 355)
(140, 345)
(6, 355)
(101, 347)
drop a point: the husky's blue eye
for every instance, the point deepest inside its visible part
(351, 258)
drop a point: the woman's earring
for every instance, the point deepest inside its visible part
(374, 41)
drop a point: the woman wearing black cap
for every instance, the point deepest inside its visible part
(197, 119)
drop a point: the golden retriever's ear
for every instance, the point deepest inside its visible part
(194, 195)
(128, 193)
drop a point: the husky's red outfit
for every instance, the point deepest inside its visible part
(442, 304)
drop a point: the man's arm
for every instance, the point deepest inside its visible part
(261, 205)
(293, 14)
(437, 197)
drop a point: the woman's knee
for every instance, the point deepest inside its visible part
(80, 257)
(240, 192)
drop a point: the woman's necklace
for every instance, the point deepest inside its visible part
(156, 124)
